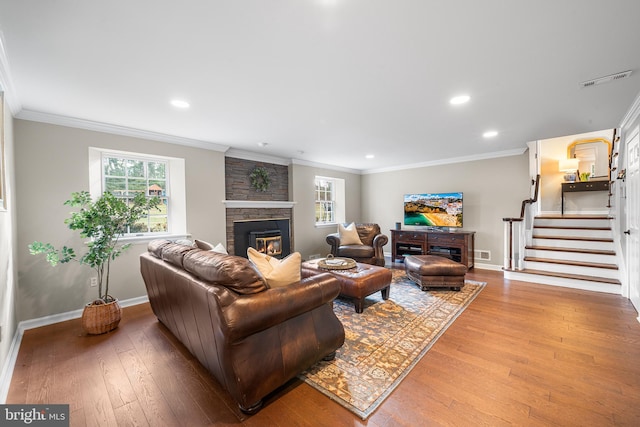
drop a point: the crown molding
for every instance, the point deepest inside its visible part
(6, 83)
(256, 157)
(55, 119)
(324, 166)
(259, 157)
(484, 156)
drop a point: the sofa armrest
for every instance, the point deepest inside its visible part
(334, 241)
(249, 314)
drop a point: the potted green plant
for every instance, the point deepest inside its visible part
(102, 222)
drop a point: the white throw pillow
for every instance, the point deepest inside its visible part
(219, 248)
(277, 272)
(349, 235)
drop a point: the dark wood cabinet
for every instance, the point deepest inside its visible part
(456, 245)
(572, 187)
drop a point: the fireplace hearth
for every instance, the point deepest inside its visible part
(269, 236)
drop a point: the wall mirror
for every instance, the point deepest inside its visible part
(593, 155)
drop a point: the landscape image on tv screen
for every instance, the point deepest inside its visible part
(433, 210)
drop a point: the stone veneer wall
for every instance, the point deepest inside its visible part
(238, 184)
(238, 187)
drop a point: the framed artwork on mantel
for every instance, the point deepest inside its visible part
(3, 201)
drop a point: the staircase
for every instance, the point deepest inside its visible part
(575, 251)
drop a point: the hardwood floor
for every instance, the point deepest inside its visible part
(521, 354)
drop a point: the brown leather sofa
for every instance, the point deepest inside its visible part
(252, 338)
(370, 252)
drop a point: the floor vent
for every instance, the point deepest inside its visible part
(606, 79)
(482, 255)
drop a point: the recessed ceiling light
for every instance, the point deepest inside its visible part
(460, 99)
(490, 134)
(262, 144)
(369, 156)
(178, 103)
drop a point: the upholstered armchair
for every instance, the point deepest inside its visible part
(369, 252)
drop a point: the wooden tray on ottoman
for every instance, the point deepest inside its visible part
(357, 283)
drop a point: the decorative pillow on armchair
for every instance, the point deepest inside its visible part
(349, 235)
(277, 272)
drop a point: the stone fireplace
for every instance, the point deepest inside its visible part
(260, 212)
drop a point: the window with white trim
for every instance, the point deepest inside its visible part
(329, 200)
(127, 174)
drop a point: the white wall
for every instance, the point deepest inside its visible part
(8, 276)
(493, 189)
(52, 162)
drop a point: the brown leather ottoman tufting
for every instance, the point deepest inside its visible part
(357, 283)
(432, 271)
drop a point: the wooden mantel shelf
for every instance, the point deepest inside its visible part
(259, 204)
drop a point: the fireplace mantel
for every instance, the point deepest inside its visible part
(260, 204)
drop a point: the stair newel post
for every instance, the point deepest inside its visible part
(522, 239)
(508, 229)
(509, 242)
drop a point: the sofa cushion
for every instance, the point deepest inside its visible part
(184, 242)
(349, 235)
(233, 272)
(277, 272)
(173, 253)
(155, 247)
(357, 251)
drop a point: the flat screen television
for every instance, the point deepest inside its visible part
(433, 209)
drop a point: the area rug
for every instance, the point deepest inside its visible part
(385, 342)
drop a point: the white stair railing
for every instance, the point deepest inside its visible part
(518, 231)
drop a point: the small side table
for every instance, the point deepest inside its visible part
(570, 187)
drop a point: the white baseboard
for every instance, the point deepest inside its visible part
(482, 266)
(7, 369)
(10, 363)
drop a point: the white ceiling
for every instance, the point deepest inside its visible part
(328, 81)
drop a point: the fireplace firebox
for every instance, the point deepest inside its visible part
(269, 236)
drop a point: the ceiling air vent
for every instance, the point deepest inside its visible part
(606, 79)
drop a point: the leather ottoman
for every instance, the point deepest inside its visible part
(356, 283)
(432, 271)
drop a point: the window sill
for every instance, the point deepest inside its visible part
(327, 225)
(148, 238)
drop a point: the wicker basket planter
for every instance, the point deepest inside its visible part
(101, 318)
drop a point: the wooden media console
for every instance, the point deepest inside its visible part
(456, 245)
